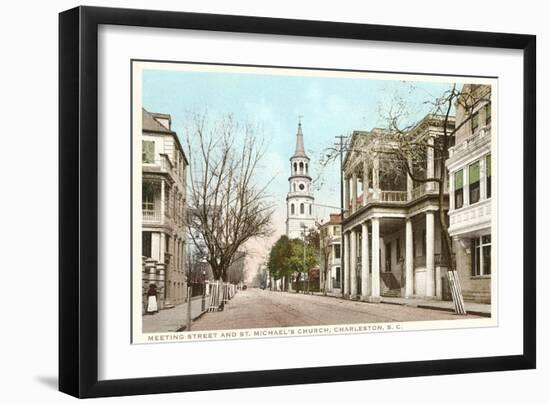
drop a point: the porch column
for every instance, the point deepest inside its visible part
(346, 264)
(346, 193)
(365, 183)
(162, 207)
(353, 192)
(376, 179)
(375, 282)
(409, 259)
(430, 164)
(353, 264)
(364, 260)
(430, 284)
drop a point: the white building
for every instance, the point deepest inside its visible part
(469, 166)
(300, 199)
(392, 246)
(163, 244)
(330, 254)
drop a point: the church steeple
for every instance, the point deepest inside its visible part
(300, 199)
(299, 151)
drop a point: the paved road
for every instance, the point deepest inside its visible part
(256, 308)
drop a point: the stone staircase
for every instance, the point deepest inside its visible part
(391, 293)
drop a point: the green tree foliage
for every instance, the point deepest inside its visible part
(287, 257)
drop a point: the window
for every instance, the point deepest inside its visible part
(148, 151)
(459, 192)
(337, 274)
(336, 251)
(146, 244)
(474, 182)
(301, 208)
(487, 113)
(310, 209)
(481, 255)
(488, 174)
(301, 168)
(295, 168)
(388, 257)
(301, 186)
(398, 249)
(291, 208)
(475, 121)
(306, 168)
(337, 230)
(147, 198)
(423, 243)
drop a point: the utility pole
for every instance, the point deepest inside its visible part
(342, 260)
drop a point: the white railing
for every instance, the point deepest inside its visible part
(393, 196)
(151, 215)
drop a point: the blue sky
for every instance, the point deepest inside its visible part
(330, 106)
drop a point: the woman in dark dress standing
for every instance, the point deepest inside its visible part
(152, 305)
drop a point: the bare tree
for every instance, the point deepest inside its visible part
(227, 205)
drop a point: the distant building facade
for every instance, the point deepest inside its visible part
(469, 166)
(163, 197)
(300, 199)
(331, 254)
(391, 231)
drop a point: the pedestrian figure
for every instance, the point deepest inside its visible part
(152, 306)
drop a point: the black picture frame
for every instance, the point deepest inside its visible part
(78, 200)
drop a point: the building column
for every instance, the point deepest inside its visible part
(482, 179)
(365, 260)
(353, 192)
(375, 281)
(409, 259)
(430, 284)
(353, 264)
(345, 281)
(376, 179)
(162, 207)
(346, 194)
(365, 184)
(466, 185)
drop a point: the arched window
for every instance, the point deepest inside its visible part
(306, 168)
(291, 208)
(295, 168)
(301, 167)
(310, 209)
(302, 208)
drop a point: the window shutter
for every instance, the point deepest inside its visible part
(488, 164)
(459, 180)
(474, 172)
(148, 151)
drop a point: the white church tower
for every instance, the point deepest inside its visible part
(299, 200)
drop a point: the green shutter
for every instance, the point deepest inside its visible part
(148, 151)
(488, 164)
(459, 180)
(474, 172)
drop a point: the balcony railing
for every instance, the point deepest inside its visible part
(393, 196)
(151, 215)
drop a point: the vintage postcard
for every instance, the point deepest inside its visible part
(287, 202)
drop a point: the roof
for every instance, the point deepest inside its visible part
(299, 151)
(334, 218)
(150, 124)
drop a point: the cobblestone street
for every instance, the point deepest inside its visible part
(256, 308)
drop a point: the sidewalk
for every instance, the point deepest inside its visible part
(173, 319)
(479, 309)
